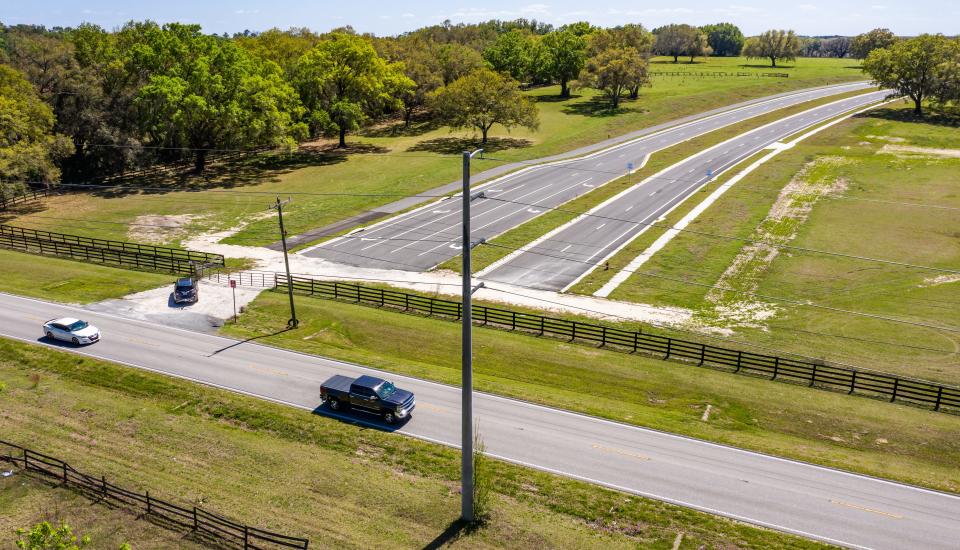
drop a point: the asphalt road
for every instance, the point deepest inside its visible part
(816, 502)
(430, 235)
(562, 258)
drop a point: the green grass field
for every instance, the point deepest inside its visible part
(393, 160)
(289, 471)
(860, 434)
(71, 281)
(875, 215)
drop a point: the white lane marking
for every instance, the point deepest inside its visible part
(601, 225)
(441, 211)
(628, 208)
(598, 164)
(521, 209)
(566, 248)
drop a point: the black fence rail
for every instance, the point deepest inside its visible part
(196, 519)
(119, 253)
(8, 200)
(938, 397)
(719, 74)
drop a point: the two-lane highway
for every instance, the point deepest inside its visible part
(430, 235)
(830, 505)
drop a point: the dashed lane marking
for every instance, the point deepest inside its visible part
(621, 452)
(865, 509)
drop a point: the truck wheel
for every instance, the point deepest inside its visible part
(389, 417)
(334, 404)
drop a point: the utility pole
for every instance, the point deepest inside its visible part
(292, 323)
(466, 429)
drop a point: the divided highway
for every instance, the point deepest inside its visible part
(563, 257)
(829, 505)
(430, 235)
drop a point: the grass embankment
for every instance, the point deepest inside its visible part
(395, 160)
(287, 470)
(875, 213)
(71, 281)
(523, 234)
(877, 438)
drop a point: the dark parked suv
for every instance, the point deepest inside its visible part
(186, 290)
(368, 394)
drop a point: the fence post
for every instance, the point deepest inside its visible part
(149, 508)
(636, 341)
(739, 358)
(813, 375)
(573, 335)
(196, 524)
(26, 459)
(103, 484)
(776, 367)
(246, 537)
(896, 384)
(406, 301)
(64, 473)
(669, 346)
(936, 407)
(513, 321)
(603, 336)
(381, 296)
(853, 382)
(459, 310)
(542, 328)
(703, 354)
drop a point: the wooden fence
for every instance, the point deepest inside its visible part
(29, 195)
(197, 519)
(891, 387)
(119, 253)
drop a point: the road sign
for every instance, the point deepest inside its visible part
(629, 167)
(709, 172)
(233, 283)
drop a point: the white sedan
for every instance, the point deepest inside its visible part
(73, 330)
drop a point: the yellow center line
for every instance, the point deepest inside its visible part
(429, 407)
(267, 370)
(864, 508)
(621, 452)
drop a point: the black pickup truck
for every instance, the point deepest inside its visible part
(368, 394)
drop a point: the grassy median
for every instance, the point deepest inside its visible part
(290, 471)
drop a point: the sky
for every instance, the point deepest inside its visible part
(808, 17)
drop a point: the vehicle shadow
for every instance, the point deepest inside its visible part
(454, 531)
(60, 343)
(359, 418)
(171, 303)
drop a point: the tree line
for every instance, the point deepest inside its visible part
(85, 102)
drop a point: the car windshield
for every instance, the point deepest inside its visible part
(185, 283)
(78, 325)
(386, 390)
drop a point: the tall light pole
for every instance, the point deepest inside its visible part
(466, 429)
(293, 322)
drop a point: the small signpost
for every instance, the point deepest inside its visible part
(709, 173)
(233, 289)
(629, 168)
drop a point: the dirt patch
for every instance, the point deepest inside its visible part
(940, 280)
(160, 229)
(891, 139)
(914, 151)
(791, 209)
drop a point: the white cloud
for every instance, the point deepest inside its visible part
(407, 16)
(246, 12)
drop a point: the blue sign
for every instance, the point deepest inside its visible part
(629, 167)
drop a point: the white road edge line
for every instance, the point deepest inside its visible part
(688, 159)
(621, 276)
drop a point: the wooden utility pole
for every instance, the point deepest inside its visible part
(293, 322)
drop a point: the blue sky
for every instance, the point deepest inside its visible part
(812, 17)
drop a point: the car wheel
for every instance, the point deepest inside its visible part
(50, 335)
(334, 404)
(389, 417)
(75, 340)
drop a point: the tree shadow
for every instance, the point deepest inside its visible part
(766, 66)
(417, 127)
(907, 115)
(554, 98)
(23, 209)
(456, 145)
(242, 171)
(598, 107)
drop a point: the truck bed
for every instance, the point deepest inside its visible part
(338, 383)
